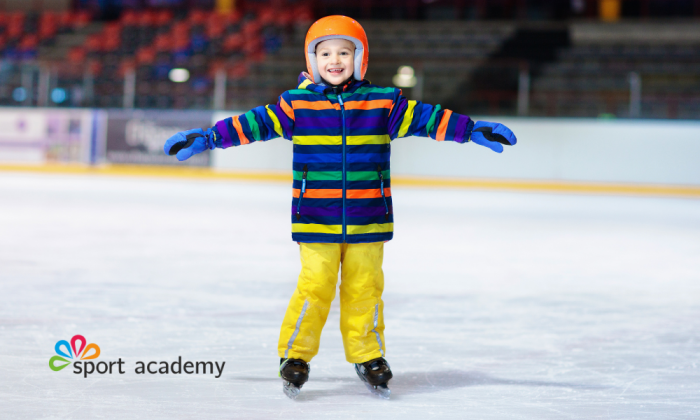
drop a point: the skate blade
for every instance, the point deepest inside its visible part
(291, 390)
(381, 391)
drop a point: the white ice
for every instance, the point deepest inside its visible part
(499, 305)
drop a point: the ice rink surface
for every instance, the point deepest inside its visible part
(499, 305)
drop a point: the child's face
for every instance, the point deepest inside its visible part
(335, 60)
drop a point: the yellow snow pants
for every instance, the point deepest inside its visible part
(361, 306)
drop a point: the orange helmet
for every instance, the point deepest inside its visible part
(331, 27)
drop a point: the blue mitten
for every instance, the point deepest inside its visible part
(492, 135)
(187, 143)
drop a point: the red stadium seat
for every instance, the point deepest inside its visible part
(215, 29)
(145, 55)
(267, 16)
(198, 17)
(181, 27)
(285, 18)
(238, 71)
(251, 29)
(15, 25)
(29, 42)
(125, 65)
(94, 67)
(93, 43)
(76, 55)
(147, 18)
(164, 17)
(234, 17)
(233, 42)
(162, 42)
(130, 18)
(48, 25)
(81, 19)
(303, 15)
(111, 36)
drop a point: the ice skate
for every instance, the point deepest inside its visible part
(375, 374)
(294, 374)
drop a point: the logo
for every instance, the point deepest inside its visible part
(80, 355)
(73, 352)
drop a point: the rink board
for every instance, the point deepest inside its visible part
(549, 149)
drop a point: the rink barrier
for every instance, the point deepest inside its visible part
(202, 173)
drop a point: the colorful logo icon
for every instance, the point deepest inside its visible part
(73, 352)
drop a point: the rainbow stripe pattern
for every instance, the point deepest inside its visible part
(342, 147)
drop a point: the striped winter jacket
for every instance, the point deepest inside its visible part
(342, 145)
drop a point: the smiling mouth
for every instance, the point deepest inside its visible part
(335, 71)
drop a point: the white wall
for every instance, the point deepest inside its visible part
(666, 152)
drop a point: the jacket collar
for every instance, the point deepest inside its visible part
(306, 83)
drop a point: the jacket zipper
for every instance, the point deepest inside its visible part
(303, 190)
(342, 111)
(381, 180)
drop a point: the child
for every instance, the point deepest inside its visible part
(342, 213)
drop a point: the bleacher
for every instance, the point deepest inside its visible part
(203, 42)
(445, 55)
(23, 36)
(471, 66)
(592, 77)
(90, 59)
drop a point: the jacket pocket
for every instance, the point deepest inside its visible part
(381, 188)
(303, 190)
